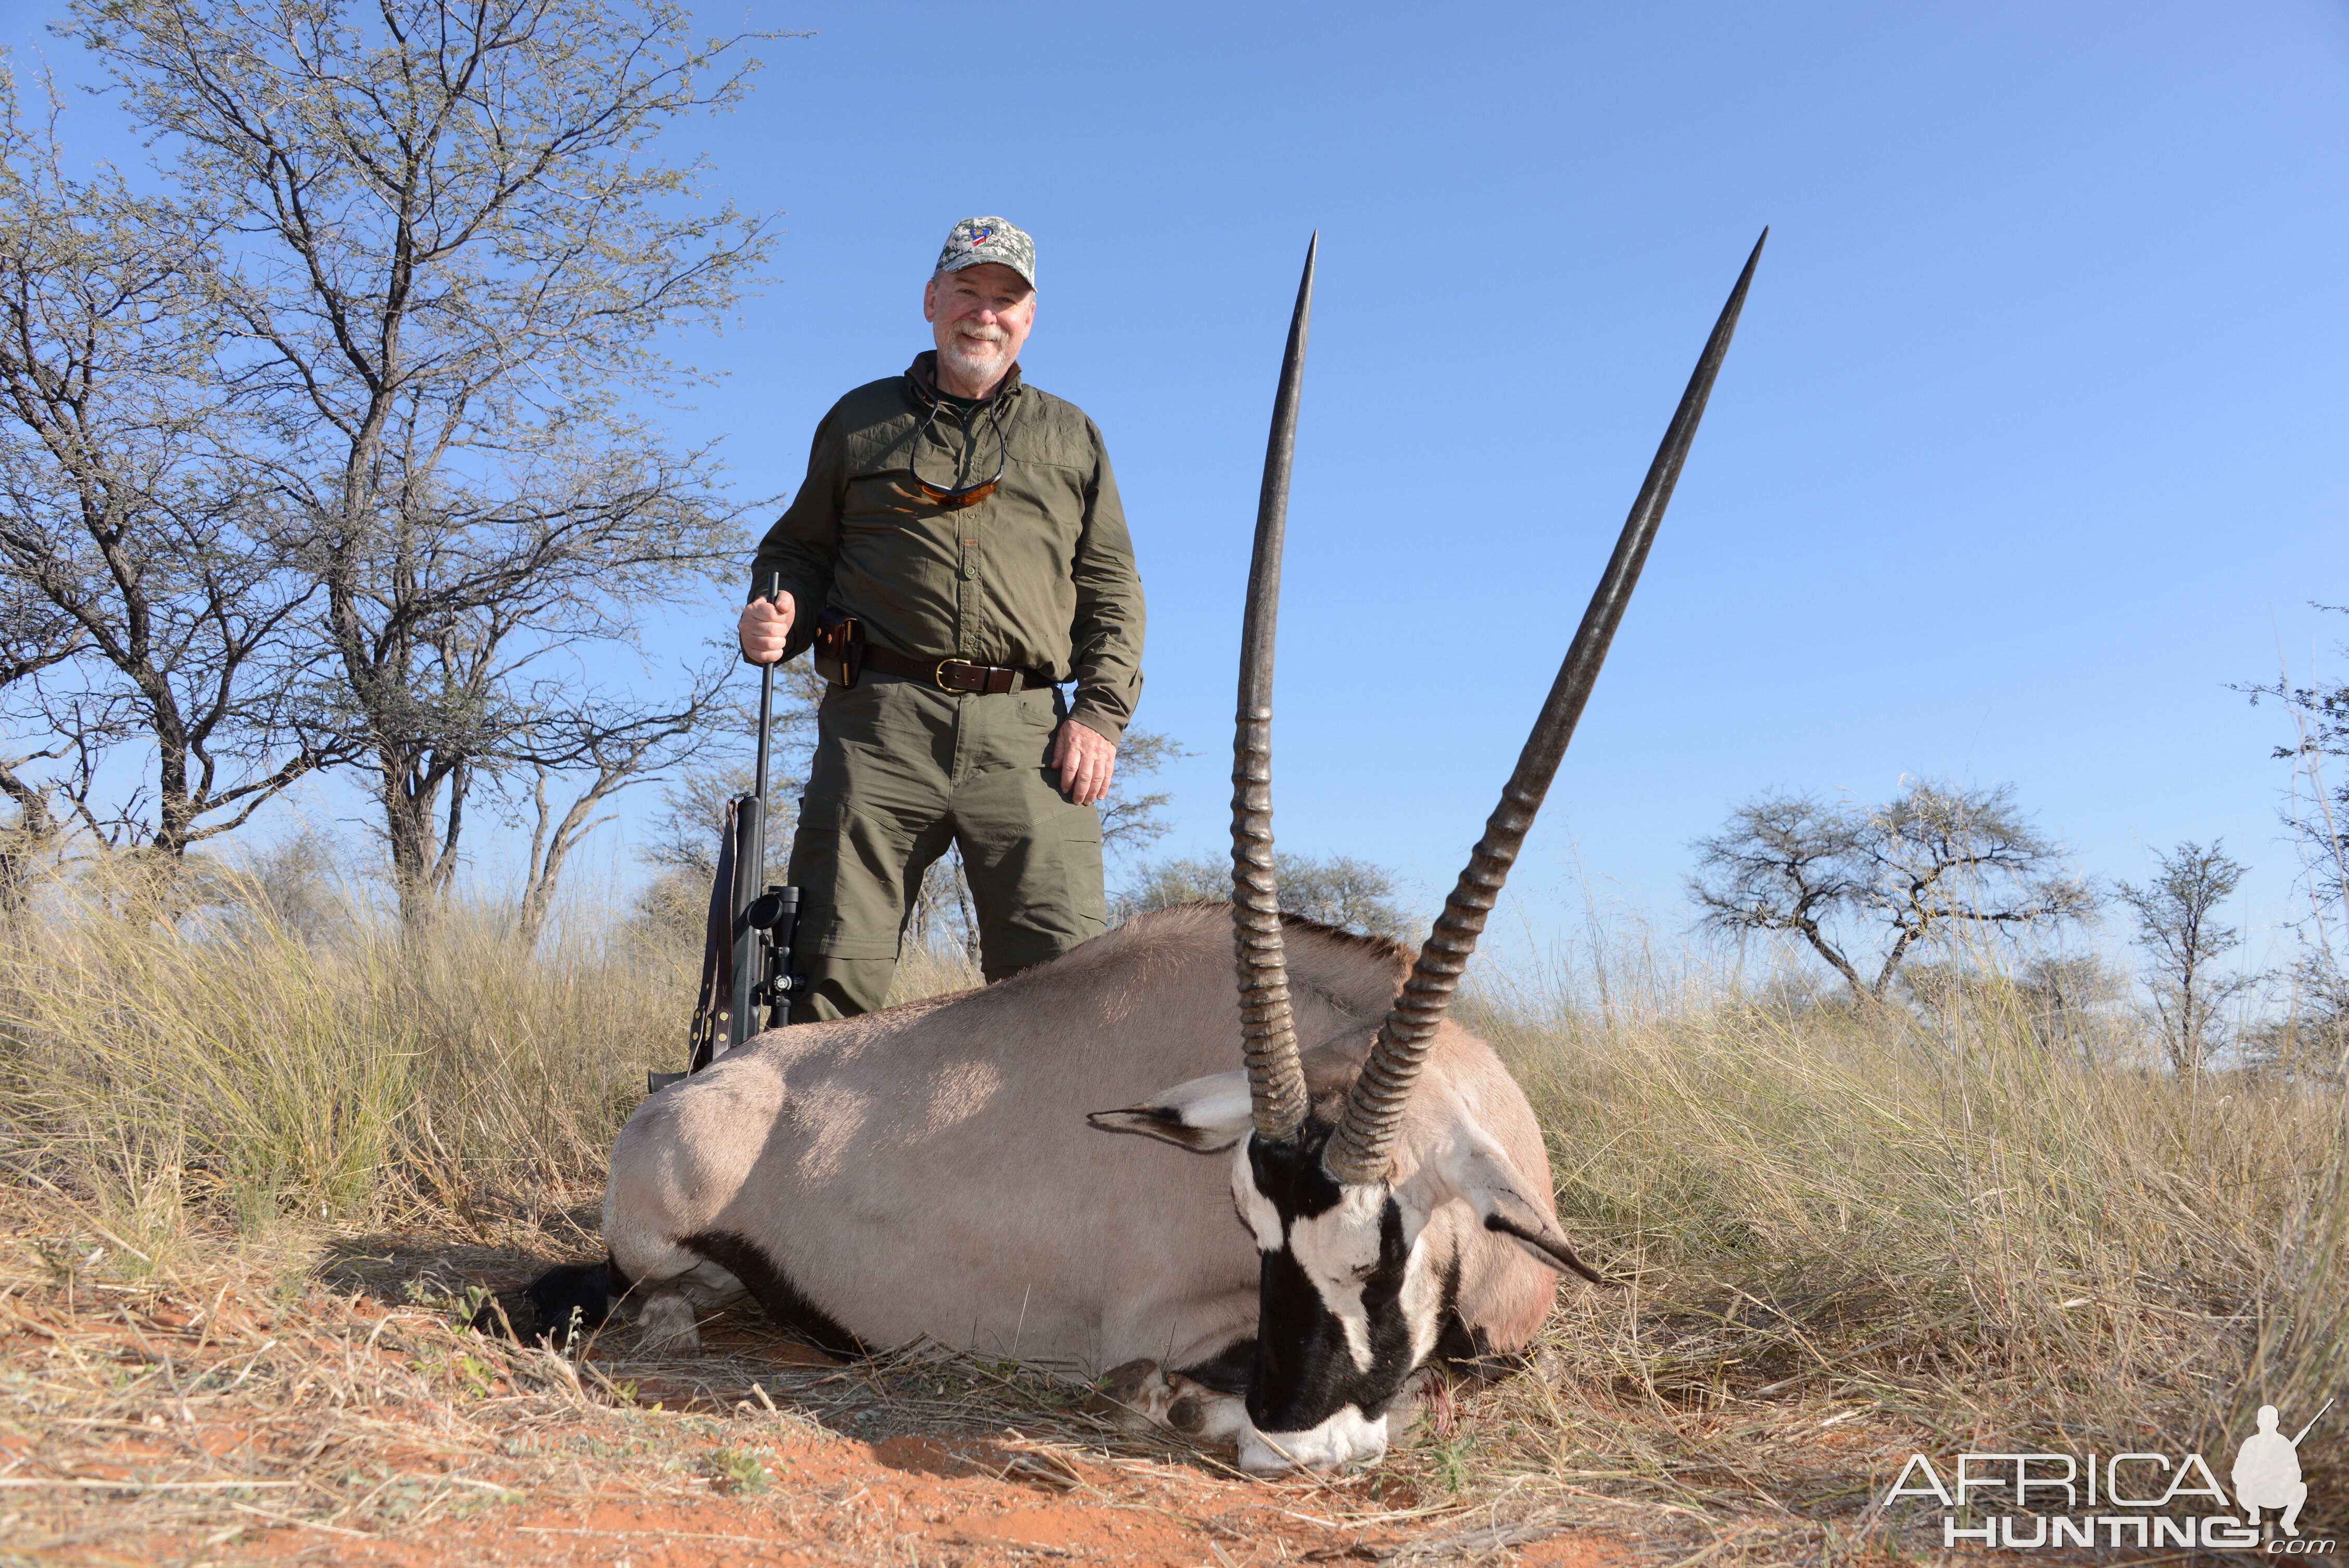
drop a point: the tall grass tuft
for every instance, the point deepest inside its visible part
(226, 1060)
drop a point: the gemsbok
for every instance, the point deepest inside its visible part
(939, 1168)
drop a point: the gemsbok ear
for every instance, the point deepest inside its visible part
(1475, 1169)
(1202, 1115)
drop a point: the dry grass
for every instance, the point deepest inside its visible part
(1930, 1231)
(260, 1175)
(162, 1062)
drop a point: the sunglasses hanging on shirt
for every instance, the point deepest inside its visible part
(966, 495)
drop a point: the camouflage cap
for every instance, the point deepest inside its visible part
(974, 241)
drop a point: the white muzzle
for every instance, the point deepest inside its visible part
(1346, 1438)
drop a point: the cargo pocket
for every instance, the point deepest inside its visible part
(848, 867)
(1082, 865)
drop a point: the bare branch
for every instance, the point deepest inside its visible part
(124, 516)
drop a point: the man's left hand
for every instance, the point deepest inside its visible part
(1086, 758)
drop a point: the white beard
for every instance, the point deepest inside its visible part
(966, 364)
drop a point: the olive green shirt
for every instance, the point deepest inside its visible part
(1040, 575)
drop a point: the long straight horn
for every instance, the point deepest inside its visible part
(1268, 1038)
(1359, 1149)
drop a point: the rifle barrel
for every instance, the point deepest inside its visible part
(766, 730)
(2312, 1422)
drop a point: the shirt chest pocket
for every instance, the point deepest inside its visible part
(878, 491)
(1039, 515)
(896, 550)
(884, 499)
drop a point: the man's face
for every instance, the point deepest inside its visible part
(979, 316)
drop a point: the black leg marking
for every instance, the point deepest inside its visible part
(573, 1299)
(746, 1260)
(1227, 1371)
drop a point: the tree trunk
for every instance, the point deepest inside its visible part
(24, 846)
(411, 839)
(1835, 960)
(551, 842)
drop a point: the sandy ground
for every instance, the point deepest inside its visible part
(321, 1398)
(171, 1421)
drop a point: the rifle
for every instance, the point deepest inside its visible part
(746, 955)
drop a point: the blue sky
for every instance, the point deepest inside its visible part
(2030, 444)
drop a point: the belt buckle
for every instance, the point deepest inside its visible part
(938, 676)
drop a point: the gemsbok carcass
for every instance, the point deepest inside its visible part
(939, 1168)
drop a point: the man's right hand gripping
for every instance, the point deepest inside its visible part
(764, 626)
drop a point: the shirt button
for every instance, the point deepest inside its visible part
(969, 570)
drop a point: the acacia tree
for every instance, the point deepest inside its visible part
(141, 604)
(1934, 859)
(1335, 890)
(2178, 926)
(452, 258)
(1131, 816)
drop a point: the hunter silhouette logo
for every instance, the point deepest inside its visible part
(2267, 1471)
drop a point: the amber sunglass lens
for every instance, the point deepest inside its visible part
(952, 500)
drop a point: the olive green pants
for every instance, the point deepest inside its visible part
(902, 770)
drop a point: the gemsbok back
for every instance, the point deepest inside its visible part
(933, 1169)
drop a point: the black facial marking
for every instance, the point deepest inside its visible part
(1467, 1349)
(1304, 1371)
(746, 1260)
(1469, 1352)
(1456, 1339)
(1290, 1173)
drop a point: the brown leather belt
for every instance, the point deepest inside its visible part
(956, 675)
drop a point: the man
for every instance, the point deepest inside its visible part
(969, 525)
